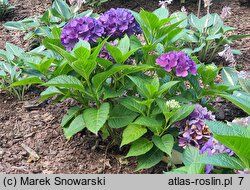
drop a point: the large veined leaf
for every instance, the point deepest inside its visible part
(131, 133)
(121, 117)
(111, 93)
(149, 19)
(97, 50)
(124, 45)
(143, 86)
(151, 123)
(50, 92)
(115, 52)
(191, 158)
(71, 113)
(235, 137)
(96, 118)
(223, 160)
(99, 78)
(82, 50)
(139, 147)
(190, 155)
(182, 113)
(240, 99)
(76, 126)
(164, 143)
(166, 87)
(150, 159)
(84, 68)
(55, 45)
(133, 105)
(135, 68)
(66, 81)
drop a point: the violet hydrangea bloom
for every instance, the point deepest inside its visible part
(212, 147)
(118, 22)
(179, 61)
(104, 52)
(85, 28)
(193, 130)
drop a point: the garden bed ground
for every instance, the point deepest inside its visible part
(39, 128)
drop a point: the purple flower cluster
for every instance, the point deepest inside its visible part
(117, 22)
(182, 63)
(212, 147)
(85, 28)
(193, 130)
(104, 52)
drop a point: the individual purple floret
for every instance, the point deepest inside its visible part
(193, 130)
(179, 61)
(85, 28)
(104, 52)
(212, 147)
(118, 22)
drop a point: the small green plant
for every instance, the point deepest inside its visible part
(5, 9)
(12, 70)
(58, 15)
(205, 36)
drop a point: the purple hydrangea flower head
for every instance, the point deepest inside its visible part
(193, 130)
(84, 28)
(104, 52)
(118, 22)
(212, 146)
(179, 61)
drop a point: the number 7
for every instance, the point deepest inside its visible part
(241, 179)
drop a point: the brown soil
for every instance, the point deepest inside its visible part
(40, 129)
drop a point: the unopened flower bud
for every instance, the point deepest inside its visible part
(173, 104)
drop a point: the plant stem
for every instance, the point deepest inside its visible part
(199, 9)
(93, 94)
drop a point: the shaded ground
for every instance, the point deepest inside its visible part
(40, 130)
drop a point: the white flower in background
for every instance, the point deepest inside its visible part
(76, 2)
(227, 54)
(183, 9)
(207, 3)
(164, 4)
(226, 12)
(172, 104)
